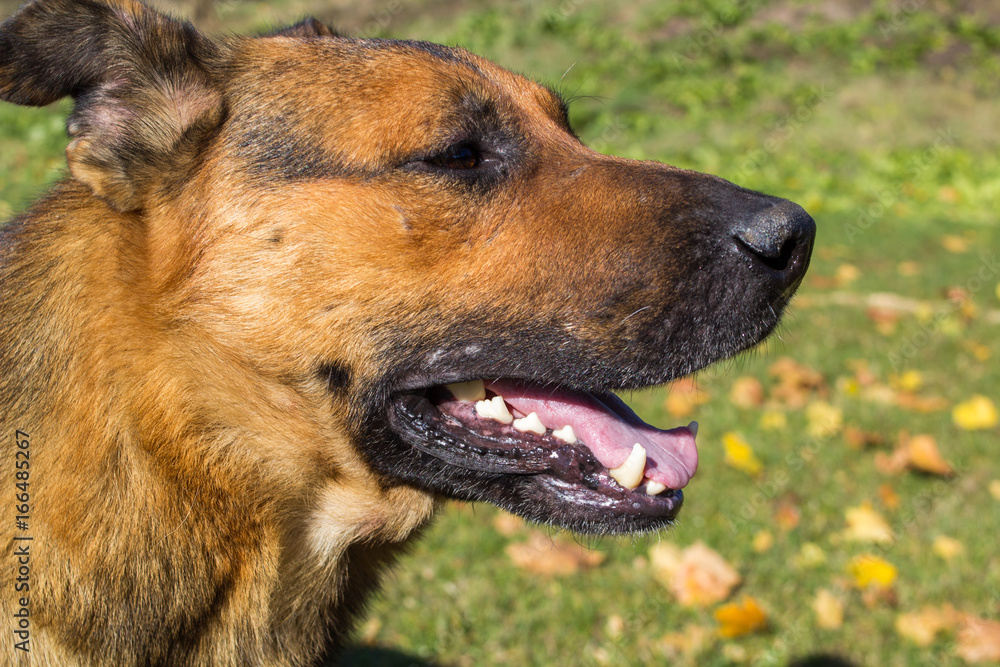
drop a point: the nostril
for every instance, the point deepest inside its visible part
(779, 237)
(776, 259)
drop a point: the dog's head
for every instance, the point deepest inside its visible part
(368, 222)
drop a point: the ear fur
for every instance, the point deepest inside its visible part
(145, 96)
(309, 27)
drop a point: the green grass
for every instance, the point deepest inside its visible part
(882, 122)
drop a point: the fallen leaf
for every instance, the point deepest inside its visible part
(908, 269)
(810, 555)
(548, 556)
(893, 464)
(859, 439)
(872, 572)
(747, 392)
(739, 454)
(955, 244)
(864, 524)
(615, 627)
(508, 525)
(979, 351)
(787, 514)
(689, 643)
(949, 194)
(995, 489)
(738, 619)
(922, 404)
(976, 414)
(947, 547)
(825, 420)
(909, 381)
(796, 382)
(979, 640)
(773, 420)
(697, 576)
(923, 455)
(684, 396)
(998, 291)
(888, 496)
(846, 274)
(885, 319)
(923, 627)
(763, 540)
(829, 610)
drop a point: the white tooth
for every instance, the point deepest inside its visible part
(566, 434)
(693, 427)
(630, 473)
(473, 390)
(494, 409)
(654, 488)
(531, 424)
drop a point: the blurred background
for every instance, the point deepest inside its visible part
(847, 508)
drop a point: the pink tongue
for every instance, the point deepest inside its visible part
(608, 428)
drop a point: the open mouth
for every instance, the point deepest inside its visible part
(587, 450)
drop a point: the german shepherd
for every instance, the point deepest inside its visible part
(298, 287)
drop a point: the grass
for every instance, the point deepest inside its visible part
(880, 120)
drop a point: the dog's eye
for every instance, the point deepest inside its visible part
(459, 158)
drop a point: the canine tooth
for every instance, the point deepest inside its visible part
(654, 488)
(630, 473)
(495, 409)
(531, 424)
(693, 427)
(474, 390)
(566, 434)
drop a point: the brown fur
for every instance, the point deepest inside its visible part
(244, 248)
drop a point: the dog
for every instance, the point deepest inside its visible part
(297, 288)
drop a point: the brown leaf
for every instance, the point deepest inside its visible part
(747, 392)
(888, 496)
(683, 396)
(923, 627)
(787, 513)
(508, 525)
(923, 455)
(697, 576)
(979, 640)
(549, 556)
(796, 382)
(859, 439)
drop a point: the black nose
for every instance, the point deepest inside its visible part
(778, 238)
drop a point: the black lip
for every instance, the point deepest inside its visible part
(532, 476)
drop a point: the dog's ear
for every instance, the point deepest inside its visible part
(310, 27)
(145, 99)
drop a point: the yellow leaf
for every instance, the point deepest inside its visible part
(864, 524)
(976, 414)
(697, 576)
(810, 555)
(829, 610)
(772, 420)
(740, 619)
(872, 572)
(955, 244)
(995, 489)
(908, 381)
(825, 420)
(979, 640)
(947, 547)
(922, 627)
(740, 455)
(763, 540)
(908, 269)
(846, 274)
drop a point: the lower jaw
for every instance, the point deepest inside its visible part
(572, 490)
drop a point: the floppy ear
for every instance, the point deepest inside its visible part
(145, 100)
(309, 27)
